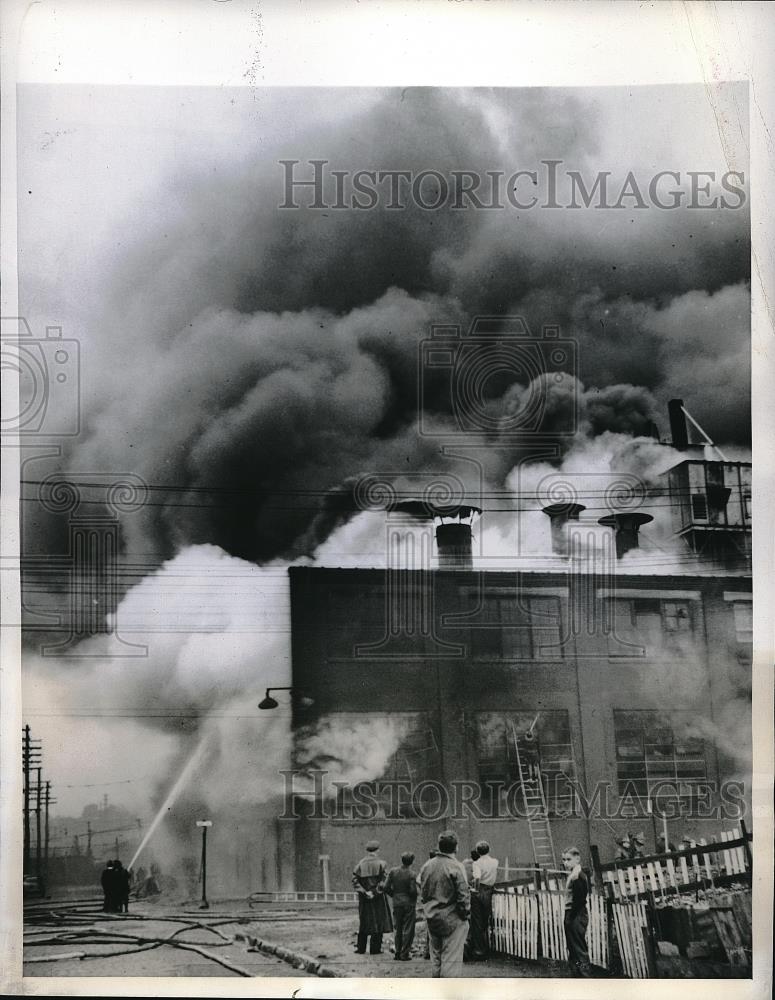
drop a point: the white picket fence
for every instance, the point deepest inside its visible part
(632, 878)
(302, 897)
(521, 917)
(630, 922)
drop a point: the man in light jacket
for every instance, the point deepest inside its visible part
(485, 876)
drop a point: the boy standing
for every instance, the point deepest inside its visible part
(576, 917)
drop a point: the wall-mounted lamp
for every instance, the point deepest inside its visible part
(268, 702)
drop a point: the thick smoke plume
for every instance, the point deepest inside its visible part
(268, 355)
(251, 363)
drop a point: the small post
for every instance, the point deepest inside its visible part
(204, 823)
(324, 861)
(746, 847)
(596, 866)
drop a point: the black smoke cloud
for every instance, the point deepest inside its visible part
(252, 360)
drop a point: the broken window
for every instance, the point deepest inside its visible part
(675, 616)
(551, 751)
(378, 750)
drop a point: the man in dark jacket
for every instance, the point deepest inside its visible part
(401, 885)
(576, 917)
(107, 881)
(373, 911)
(121, 876)
(446, 902)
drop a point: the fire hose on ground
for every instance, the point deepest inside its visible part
(75, 926)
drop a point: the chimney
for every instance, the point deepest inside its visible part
(454, 535)
(678, 432)
(453, 529)
(453, 542)
(559, 514)
(627, 525)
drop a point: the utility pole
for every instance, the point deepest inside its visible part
(88, 838)
(31, 751)
(38, 845)
(26, 768)
(48, 803)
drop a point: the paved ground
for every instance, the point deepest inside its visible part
(322, 931)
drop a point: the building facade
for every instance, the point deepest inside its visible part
(633, 692)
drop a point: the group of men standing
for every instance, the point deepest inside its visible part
(115, 881)
(456, 900)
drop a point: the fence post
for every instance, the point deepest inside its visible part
(614, 957)
(746, 848)
(596, 867)
(651, 947)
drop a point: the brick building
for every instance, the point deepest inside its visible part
(632, 682)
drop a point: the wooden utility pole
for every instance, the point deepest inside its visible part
(47, 803)
(38, 845)
(26, 768)
(30, 755)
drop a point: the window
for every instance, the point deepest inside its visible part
(653, 748)
(743, 611)
(699, 507)
(374, 749)
(356, 616)
(747, 504)
(517, 628)
(497, 755)
(675, 616)
(648, 626)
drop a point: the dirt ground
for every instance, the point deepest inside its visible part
(321, 931)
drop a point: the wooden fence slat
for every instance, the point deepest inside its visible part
(740, 851)
(623, 939)
(671, 876)
(706, 860)
(660, 877)
(726, 856)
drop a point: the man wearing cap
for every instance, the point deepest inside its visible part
(373, 911)
(446, 903)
